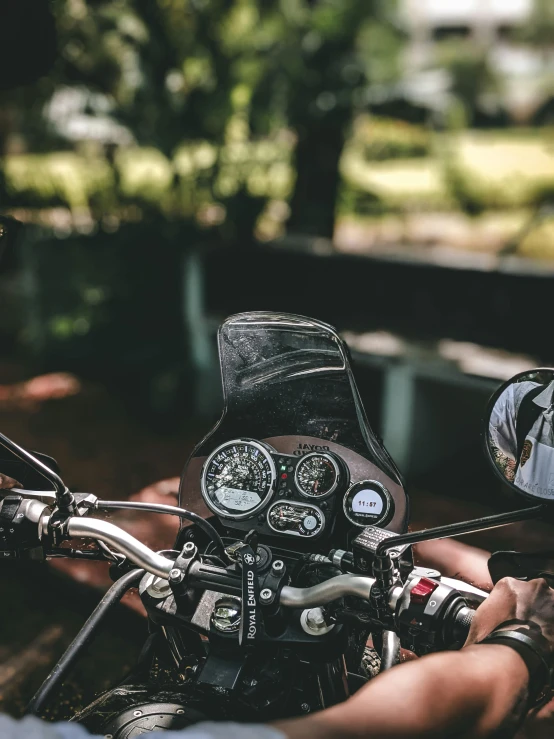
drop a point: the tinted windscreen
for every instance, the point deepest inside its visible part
(289, 375)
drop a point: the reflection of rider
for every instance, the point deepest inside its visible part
(521, 431)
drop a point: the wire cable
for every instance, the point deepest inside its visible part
(172, 510)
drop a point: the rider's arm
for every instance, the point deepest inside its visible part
(455, 559)
(472, 693)
(457, 694)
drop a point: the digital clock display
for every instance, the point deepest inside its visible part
(368, 501)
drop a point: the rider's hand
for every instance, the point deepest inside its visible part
(517, 602)
(7, 483)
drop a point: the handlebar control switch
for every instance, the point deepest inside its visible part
(19, 527)
(421, 592)
(427, 615)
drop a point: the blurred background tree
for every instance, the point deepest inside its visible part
(330, 56)
(474, 86)
(539, 28)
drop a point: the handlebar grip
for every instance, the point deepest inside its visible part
(462, 623)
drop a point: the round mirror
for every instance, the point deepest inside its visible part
(519, 433)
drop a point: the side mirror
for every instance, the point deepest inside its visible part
(519, 434)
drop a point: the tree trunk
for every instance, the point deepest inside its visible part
(317, 159)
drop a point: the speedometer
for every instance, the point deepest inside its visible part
(238, 478)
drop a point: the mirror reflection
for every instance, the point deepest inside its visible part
(520, 434)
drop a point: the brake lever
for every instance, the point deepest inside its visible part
(522, 566)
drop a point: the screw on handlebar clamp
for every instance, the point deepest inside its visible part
(271, 585)
(181, 566)
(83, 503)
(57, 522)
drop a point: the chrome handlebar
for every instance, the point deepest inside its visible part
(291, 597)
(327, 591)
(123, 542)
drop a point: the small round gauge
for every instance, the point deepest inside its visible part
(238, 478)
(368, 503)
(317, 475)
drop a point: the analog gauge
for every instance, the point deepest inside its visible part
(317, 475)
(238, 478)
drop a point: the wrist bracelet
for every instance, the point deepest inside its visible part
(533, 649)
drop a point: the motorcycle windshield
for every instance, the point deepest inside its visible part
(287, 375)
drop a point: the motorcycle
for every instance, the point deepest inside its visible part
(264, 608)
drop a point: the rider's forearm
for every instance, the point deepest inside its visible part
(471, 693)
(456, 559)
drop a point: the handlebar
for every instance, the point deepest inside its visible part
(325, 592)
(156, 564)
(443, 618)
(290, 597)
(136, 551)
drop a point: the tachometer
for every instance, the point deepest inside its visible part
(238, 478)
(317, 475)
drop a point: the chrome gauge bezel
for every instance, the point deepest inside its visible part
(266, 452)
(338, 475)
(386, 514)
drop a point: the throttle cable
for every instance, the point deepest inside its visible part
(206, 526)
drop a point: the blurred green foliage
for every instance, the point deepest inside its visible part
(166, 123)
(539, 29)
(188, 104)
(231, 116)
(474, 85)
(377, 139)
(472, 171)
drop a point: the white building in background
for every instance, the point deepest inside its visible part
(526, 74)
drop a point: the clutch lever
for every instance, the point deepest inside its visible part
(45, 496)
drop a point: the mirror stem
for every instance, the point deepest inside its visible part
(64, 498)
(459, 529)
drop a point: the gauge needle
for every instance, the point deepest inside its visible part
(223, 478)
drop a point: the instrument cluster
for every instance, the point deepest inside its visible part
(250, 485)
